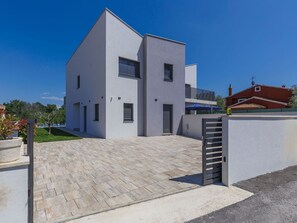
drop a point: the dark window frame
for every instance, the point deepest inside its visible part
(96, 112)
(137, 69)
(78, 81)
(170, 66)
(132, 113)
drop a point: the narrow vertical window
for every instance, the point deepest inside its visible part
(168, 72)
(78, 82)
(128, 112)
(96, 118)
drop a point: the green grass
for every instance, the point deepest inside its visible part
(56, 135)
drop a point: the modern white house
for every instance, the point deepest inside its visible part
(120, 83)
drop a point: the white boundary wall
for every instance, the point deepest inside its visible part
(257, 144)
(192, 124)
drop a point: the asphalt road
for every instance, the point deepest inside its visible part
(275, 201)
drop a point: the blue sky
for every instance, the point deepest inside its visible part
(231, 41)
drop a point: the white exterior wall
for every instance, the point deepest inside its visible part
(191, 75)
(256, 145)
(121, 41)
(89, 62)
(14, 194)
(192, 124)
(157, 52)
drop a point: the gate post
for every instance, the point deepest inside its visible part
(30, 153)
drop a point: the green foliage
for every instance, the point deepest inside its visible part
(221, 102)
(24, 110)
(56, 135)
(293, 100)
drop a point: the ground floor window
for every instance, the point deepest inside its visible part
(128, 112)
(96, 118)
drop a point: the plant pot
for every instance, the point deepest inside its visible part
(10, 150)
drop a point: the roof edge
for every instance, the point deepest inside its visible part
(113, 14)
(166, 39)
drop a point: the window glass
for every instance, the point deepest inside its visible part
(128, 112)
(129, 68)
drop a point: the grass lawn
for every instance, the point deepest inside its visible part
(56, 135)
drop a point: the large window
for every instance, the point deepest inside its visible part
(78, 81)
(168, 72)
(129, 68)
(96, 117)
(128, 112)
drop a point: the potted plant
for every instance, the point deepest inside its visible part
(10, 148)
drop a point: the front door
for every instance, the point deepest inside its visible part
(167, 118)
(85, 119)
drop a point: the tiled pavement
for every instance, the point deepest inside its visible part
(80, 177)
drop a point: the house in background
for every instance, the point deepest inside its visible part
(259, 97)
(197, 99)
(120, 83)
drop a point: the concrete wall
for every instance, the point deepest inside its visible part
(122, 41)
(14, 191)
(191, 75)
(89, 62)
(192, 124)
(158, 92)
(257, 144)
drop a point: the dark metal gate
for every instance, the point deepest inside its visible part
(212, 150)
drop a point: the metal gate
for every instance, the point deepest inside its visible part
(212, 150)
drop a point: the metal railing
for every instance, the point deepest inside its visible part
(200, 94)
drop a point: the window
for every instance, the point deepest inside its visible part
(129, 68)
(78, 82)
(128, 112)
(168, 72)
(96, 118)
(241, 99)
(257, 89)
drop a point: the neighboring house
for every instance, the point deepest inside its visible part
(259, 97)
(120, 83)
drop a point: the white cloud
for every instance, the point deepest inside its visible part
(45, 93)
(53, 98)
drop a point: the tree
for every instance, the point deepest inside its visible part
(293, 100)
(48, 116)
(221, 102)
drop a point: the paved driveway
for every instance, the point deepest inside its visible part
(80, 177)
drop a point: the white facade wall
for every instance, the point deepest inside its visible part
(89, 61)
(14, 193)
(191, 75)
(158, 52)
(192, 124)
(256, 145)
(121, 41)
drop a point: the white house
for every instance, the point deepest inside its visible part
(120, 83)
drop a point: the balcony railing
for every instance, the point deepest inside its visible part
(200, 94)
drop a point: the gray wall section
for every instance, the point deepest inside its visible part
(158, 52)
(89, 62)
(256, 145)
(121, 41)
(192, 124)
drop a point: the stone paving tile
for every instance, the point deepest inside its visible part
(76, 178)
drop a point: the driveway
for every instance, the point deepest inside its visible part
(275, 201)
(81, 177)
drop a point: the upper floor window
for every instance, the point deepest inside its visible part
(96, 118)
(128, 112)
(168, 72)
(78, 81)
(258, 89)
(129, 68)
